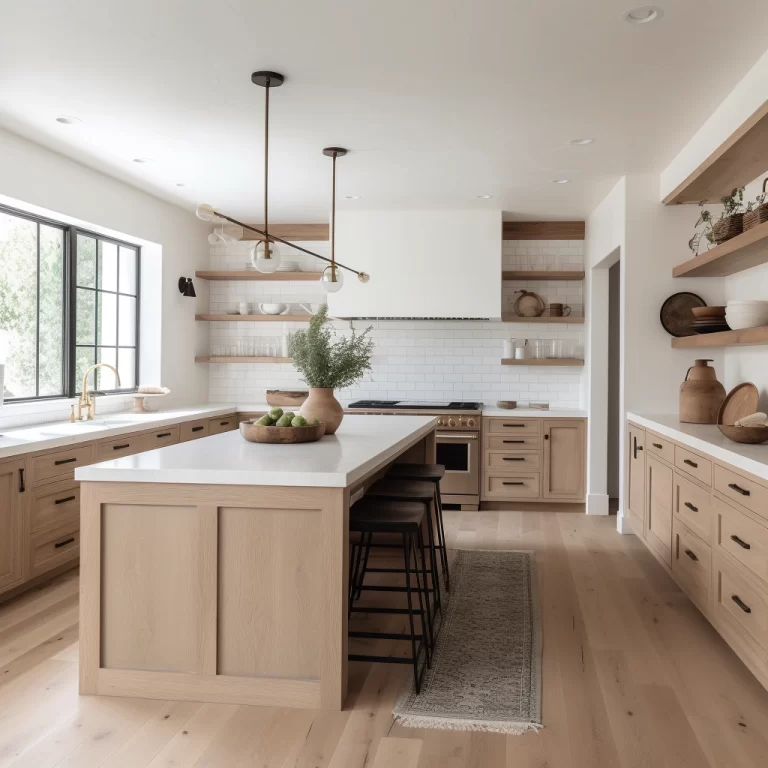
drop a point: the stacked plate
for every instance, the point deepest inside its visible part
(746, 314)
(708, 319)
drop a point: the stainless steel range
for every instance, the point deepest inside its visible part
(458, 443)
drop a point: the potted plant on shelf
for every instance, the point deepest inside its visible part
(327, 364)
(730, 223)
(757, 212)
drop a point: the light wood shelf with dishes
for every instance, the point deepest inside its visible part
(254, 318)
(252, 274)
(741, 338)
(511, 318)
(750, 249)
(550, 361)
(238, 359)
(542, 274)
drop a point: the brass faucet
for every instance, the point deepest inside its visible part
(86, 401)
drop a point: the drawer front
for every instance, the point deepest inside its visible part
(124, 446)
(167, 436)
(513, 426)
(192, 430)
(511, 487)
(744, 539)
(695, 465)
(742, 608)
(741, 490)
(512, 461)
(58, 465)
(691, 565)
(521, 442)
(54, 505)
(660, 446)
(693, 505)
(222, 424)
(54, 548)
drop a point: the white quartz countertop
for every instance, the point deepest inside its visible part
(361, 444)
(534, 413)
(42, 437)
(708, 439)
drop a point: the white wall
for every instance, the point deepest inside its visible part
(36, 178)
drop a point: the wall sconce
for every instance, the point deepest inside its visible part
(186, 288)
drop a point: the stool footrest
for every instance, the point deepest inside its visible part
(377, 609)
(382, 659)
(387, 635)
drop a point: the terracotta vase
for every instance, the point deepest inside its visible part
(321, 404)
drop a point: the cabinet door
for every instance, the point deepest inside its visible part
(564, 460)
(11, 487)
(636, 474)
(659, 488)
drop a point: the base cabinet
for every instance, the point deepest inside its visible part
(564, 451)
(12, 485)
(659, 484)
(636, 478)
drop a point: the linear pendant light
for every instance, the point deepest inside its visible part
(265, 256)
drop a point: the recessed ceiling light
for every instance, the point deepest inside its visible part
(561, 181)
(642, 14)
(353, 197)
(66, 120)
(180, 185)
(141, 160)
(484, 197)
(580, 142)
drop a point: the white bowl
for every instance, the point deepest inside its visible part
(273, 309)
(747, 303)
(746, 319)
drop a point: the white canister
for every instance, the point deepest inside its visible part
(520, 350)
(508, 348)
(243, 307)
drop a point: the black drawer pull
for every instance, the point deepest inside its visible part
(739, 490)
(691, 507)
(518, 482)
(22, 486)
(691, 554)
(512, 441)
(513, 458)
(63, 543)
(163, 434)
(743, 544)
(223, 423)
(691, 463)
(197, 429)
(744, 607)
(519, 426)
(120, 447)
(64, 461)
(65, 500)
(657, 445)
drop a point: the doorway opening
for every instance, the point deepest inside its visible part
(614, 385)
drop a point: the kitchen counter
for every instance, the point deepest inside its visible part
(534, 413)
(708, 439)
(335, 461)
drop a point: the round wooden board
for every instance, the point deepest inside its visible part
(741, 401)
(676, 316)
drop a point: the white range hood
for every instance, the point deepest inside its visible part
(423, 264)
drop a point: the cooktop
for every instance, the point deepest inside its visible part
(418, 405)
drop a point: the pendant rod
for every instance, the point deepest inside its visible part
(333, 222)
(266, 165)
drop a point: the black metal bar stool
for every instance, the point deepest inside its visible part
(432, 473)
(370, 516)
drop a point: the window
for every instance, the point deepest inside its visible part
(68, 299)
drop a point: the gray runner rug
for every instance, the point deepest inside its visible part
(486, 669)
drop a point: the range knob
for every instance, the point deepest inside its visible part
(440, 423)
(470, 422)
(451, 422)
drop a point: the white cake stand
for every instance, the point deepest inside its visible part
(139, 406)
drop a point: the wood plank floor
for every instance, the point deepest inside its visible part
(632, 676)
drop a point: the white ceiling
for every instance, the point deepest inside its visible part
(438, 100)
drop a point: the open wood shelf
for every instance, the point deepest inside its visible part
(736, 162)
(747, 250)
(255, 318)
(542, 274)
(569, 361)
(252, 274)
(742, 338)
(269, 360)
(506, 318)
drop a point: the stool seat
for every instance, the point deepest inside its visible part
(431, 472)
(380, 516)
(410, 490)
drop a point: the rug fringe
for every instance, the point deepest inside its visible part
(452, 724)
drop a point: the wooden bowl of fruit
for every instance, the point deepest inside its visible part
(282, 427)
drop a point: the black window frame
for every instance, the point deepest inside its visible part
(70, 386)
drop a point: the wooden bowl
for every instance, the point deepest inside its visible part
(256, 433)
(506, 404)
(710, 312)
(749, 435)
(279, 398)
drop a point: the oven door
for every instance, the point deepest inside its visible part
(459, 453)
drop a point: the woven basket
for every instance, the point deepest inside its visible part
(759, 215)
(728, 228)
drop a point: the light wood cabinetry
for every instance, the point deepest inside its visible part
(539, 459)
(222, 424)
(707, 523)
(11, 510)
(636, 478)
(193, 430)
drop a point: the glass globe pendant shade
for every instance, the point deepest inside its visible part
(205, 212)
(332, 283)
(363, 277)
(266, 257)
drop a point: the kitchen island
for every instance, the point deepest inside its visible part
(217, 570)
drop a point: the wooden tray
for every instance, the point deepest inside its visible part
(748, 435)
(741, 401)
(676, 316)
(278, 398)
(256, 433)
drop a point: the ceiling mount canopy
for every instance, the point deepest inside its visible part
(265, 256)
